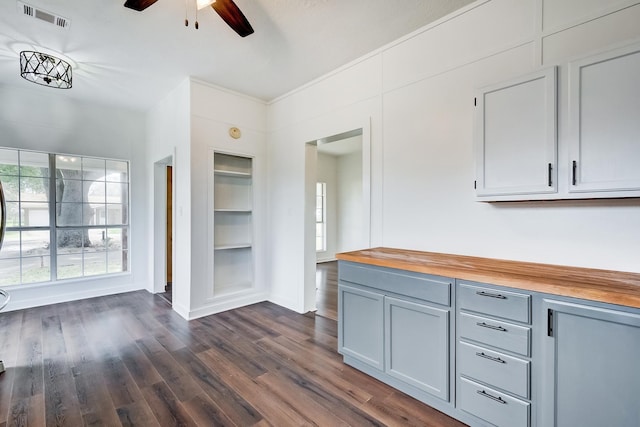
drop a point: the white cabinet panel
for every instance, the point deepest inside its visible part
(515, 136)
(605, 122)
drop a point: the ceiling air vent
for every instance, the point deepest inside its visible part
(43, 15)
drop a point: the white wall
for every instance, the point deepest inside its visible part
(213, 111)
(168, 135)
(422, 167)
(351, 231)
(42, 119)
(327, 173)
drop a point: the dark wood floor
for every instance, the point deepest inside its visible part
(327, 289)
(130, 360)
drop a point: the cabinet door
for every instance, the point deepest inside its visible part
(417, 345)
(515, 136)
(605, 122)
(360, 325)
(591, 377)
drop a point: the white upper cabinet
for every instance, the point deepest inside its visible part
(604, 114)
(515, 137)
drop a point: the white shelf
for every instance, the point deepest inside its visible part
(231, 210)
(232, 246)
(222, 172)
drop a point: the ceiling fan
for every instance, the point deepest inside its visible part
(227, 10)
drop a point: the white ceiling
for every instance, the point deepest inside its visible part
(132, 59)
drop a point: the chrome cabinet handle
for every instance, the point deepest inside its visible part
(493, 359)
(490, 295)
(497, 399)
(496, 328)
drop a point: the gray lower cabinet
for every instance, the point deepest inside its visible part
(507, 358)
(417, 345)
(398, 323)
(592, 374)
(361, 325)
(493, 355)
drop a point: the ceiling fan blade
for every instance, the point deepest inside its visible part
(233, 16)
(139, 5)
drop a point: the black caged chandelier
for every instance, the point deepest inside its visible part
(45, 69)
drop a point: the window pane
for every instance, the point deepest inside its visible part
(34, 214)
(34, 189)
(93, 169)
(69, 214)
(69, 266)
(13, 214)
(117, 193)
(114, 239)
(97, 239)
(69, 166)
(69, 190)
(94, 192)
(70, 240)
(8, 162)
(35, 242)
(319, 244)
(115, 261)
(117, 171)
(34, 164)
(117, 214)
(93, 214)
(36, 269)
(95, 262)
(10, 246)
(10, 269)
(10, 187)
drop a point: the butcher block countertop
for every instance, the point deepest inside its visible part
(607, 286)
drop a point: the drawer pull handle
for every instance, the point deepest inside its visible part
(497, 399)
(490, 295)
(494, 359)
(496, 328)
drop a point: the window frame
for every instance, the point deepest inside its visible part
(321, 192)
(53, 228)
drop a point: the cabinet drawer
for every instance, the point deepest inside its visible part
(492, 406)
(428, 288)
(496, 333)
(497, 369)
(507, 305)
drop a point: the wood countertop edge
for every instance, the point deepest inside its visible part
(621, 288)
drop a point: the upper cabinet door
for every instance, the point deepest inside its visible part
(604, 111)
(516, 138)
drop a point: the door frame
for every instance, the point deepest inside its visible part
(309, 285)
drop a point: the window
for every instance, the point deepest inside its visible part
(67, 217)
(321, 216)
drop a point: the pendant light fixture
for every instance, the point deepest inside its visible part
(45, 69)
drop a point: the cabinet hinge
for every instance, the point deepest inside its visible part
(475, 185)
(475, 102)
(549, 322)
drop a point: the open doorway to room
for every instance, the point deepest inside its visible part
(163, 228)
(341, 209)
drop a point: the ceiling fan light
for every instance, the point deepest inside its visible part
(201, 4)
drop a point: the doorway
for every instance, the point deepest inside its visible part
(338, 211)
(168, 287)
(163, 226)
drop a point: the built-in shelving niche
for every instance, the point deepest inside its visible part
(232, 223)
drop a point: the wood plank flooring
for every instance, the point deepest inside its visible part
(129, 360)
